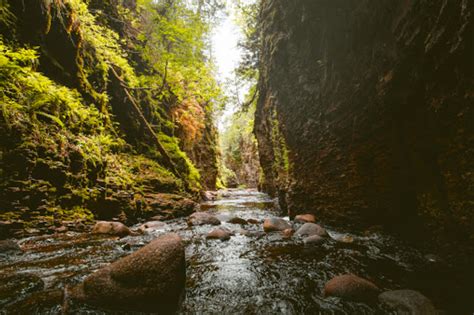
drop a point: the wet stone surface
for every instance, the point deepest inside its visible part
(251, 273)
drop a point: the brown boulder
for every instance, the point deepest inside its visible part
(310, 229)
(305, 218)
(237, 220)
(219, 233)
(351, 287)
(314, 239)
(150, 280)
(275, 224)
(111, 228)
(202, 218)
(408, 302)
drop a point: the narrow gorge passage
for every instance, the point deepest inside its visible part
(252, 273)
(236, 157)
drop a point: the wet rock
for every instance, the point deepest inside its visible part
(351, 287)
(313, 240)
(310, 229)
(13, 286)
(111, 228)
(275, 224)
(148, 280)
(202, 218)
(343, 238)
(35, 301)
(61, 229)
(8, 246)
(305, 218)
(253, 221)
(288, 233)
(237, 220)
(219, 233)
(208, 195)
(151, 226)
(408, 302)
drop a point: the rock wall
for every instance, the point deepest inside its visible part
(373, 99)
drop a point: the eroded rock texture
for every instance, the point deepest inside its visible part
(373, 101)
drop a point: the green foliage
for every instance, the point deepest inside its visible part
(28, 95)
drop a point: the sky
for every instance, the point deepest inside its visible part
(227, 54)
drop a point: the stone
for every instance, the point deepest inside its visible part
(208, 195)
(351, 287)
(7, 246)
(150, 279)
(219, 233)
(310, 229)
(313, 240)
(202, 218)
(408, 302)
(111, 228)
(305, 218)
(253, 221)
(275, 224)
(151, 226)
(237, 220)
(61, 229)
(288, 233)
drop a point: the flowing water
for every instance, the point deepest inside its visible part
(252, 273)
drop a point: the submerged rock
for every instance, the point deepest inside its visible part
(151, 226)
(237, 220)
(310, 229)
(408, 302)
(111, 228)
(305, 218)
(203, 218)
(8, 246)
(149, 280)
(13, 286)
(314, 239)
(35, 301)
(351, 287)
(219, 233)
(275, 224)
(253, 221)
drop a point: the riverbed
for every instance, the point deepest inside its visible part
(252, 273)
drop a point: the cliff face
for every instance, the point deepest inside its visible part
(373, 101)
(80, 138)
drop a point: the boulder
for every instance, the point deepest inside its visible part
(275, 224)
(313, 240)
(111, 228)
(202, 218)
(305, 218)
(151, 279)
(151, 226)
(8, 246)
(310, 229)
(408, 302)
(352, 288)
(237, 220)
(219, 233)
